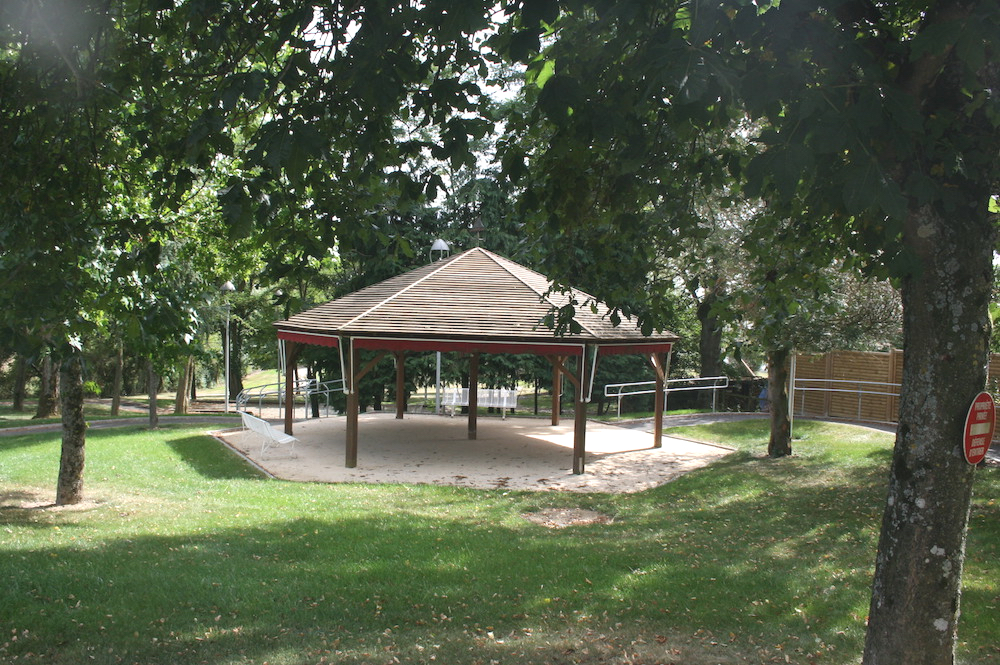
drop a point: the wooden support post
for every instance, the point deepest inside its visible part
(557, 386)
(659, 363)
(580, 413)
(291, 357)
(473, 394)
(351, 360)
(353, 376)
(400, 384)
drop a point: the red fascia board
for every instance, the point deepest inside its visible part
(392, 344)
(308, 338)
(542, 349)
(635, 348)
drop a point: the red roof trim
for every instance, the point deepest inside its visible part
(393, 344)
(316, 339)
(469, 346)
(634, 348)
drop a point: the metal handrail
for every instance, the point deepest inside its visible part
(618, 389)
(855, 382)
(305, 387)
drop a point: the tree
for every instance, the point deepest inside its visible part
(114, 98)
(880, 141)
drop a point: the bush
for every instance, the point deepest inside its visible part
(91, 389)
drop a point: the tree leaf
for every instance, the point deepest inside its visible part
(523, 45)
(861, 190)
(560, 95)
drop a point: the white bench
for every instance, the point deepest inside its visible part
(488, 397)
(269, 435)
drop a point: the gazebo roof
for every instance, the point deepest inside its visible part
(473, 301)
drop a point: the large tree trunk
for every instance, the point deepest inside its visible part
(69, 489)
(48, 394)
(709, 344)
(780, 443)
(154, 389)
(116, 389)
(185, 372)
(20, 382)
(235, 359)
(918, 571)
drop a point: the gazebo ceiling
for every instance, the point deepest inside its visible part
(473, 301)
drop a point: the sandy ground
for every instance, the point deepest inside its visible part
(517, 453)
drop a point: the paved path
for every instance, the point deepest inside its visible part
(646, 424)
(124, 422)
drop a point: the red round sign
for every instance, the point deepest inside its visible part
(979, 427)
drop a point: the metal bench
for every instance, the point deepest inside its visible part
(500, 398)
(269, 435)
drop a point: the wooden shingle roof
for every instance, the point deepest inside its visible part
(476, 300)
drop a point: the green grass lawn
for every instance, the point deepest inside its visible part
(182, 554)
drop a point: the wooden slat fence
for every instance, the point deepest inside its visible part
(842, 375)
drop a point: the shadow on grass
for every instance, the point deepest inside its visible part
(749, 560)
(360, 576)
(358, 591)
(201, 453)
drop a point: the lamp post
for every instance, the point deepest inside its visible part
(226, 289)
(443, 249)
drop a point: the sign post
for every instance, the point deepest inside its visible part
(979, 427)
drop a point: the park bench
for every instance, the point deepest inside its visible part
(268, 434)
(499, 398)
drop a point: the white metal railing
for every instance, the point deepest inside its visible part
(501, 398)
(880, 388)
(713, 383)
(276, 391)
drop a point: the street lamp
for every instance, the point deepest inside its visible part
(443, 249)
(226, 289)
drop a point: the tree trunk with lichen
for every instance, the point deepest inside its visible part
(48, 393)
(153, 389)
(709, 344)
(20, 381)
(116, 388)
(916, 591)
(780, 443)
(69, 489)
(185, 374)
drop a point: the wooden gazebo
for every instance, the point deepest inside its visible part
(474, 302)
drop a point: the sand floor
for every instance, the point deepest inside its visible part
(516, 453)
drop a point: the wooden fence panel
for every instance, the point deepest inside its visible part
(811, 401)
(857, 367)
